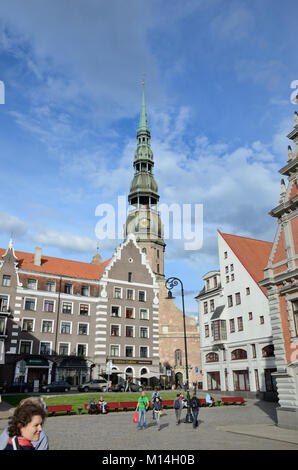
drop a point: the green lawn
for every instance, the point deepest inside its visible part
(78, 400)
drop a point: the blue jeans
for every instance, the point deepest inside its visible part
(142, 413)
(195, 418)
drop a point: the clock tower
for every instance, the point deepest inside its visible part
(143, 219)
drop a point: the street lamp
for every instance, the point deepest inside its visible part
(170, 283)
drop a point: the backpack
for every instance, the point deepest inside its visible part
(177, 404)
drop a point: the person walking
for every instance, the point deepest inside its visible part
(155, 394)
(25, 427)
(127, 385)
(178, 405)
(195, 405)
(142, 407)
(42, 443)
(157, 410)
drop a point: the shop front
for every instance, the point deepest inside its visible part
(73, 370)
(32, 370)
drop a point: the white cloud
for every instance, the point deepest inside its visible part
(12, 225)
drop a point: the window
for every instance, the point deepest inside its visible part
(225, 255)
(48, 306)
(32, 284)
(227, 269)
(115, 312)
(232, 277)
(47, 326)
(239, 354)
(250, 315)
(129, 294)
(50, 286)
(84, 309)
(208, 284)
(241, 380)
(257, 380)
(253, 350)
(143, 351)
(30, 304)
(211, 305)
(129, 277)
(157, 253)
(295, 314)
(25, 347)
(129, 351)
(65, 328)
(2, 326)
(232, 325)
(129, 313)
(85, 290)
(63, 349)
(215, 281)
(178, 357)
(142, 296)
(262, 320)
(82, 350)
(66, 307)
(219, 330)
(117, 293)
(45, 348)
(268, 351)
(83, 329)
(28, 324)
(205, 307)
(3, 303)
(247, 291)
(212, 357)
(231, 267)
(144, 314)
(227, 279)
(144, 332)
(240, 323)
(6, 280)
(129, 331)
(67, 288)
(230, 301)
(115, 350)
(206, 331)
(238, 298)
(157, 269)
(144, 250)
(115, 330)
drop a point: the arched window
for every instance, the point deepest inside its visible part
(212, 357)
(178, 357)
(239, 354)
(268, 351)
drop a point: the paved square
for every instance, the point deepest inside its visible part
(249, 427)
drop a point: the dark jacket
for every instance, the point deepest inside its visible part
(195, 403)
(19, 443)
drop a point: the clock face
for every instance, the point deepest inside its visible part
(144, 223)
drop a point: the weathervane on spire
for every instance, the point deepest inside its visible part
(143, 82)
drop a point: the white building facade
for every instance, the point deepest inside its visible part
(236, 338)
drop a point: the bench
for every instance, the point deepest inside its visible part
(233, 400)
(125, 405)
(167, 403)
(60, 408)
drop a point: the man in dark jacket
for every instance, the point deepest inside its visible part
(194, 405)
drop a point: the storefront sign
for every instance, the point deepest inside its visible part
(132, 361)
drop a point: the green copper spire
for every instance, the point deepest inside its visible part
(143, 124)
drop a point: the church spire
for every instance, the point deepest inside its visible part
(143, 124)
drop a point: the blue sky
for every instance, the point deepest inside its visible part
(218, 76)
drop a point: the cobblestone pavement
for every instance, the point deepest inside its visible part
(227, 428)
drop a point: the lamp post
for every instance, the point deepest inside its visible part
(170, 283)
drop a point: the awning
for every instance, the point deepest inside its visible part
(36, 362)
(149, 375)
(217, 312)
